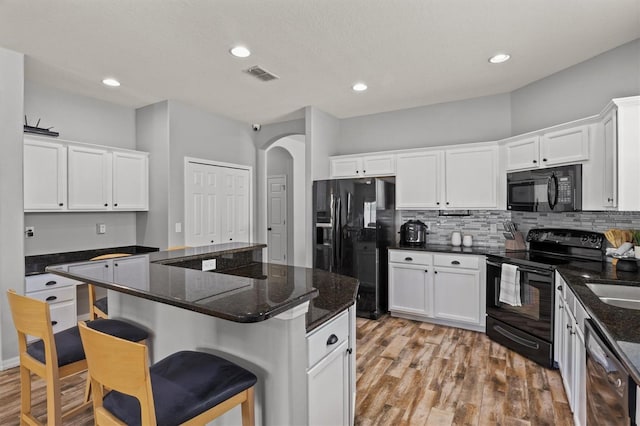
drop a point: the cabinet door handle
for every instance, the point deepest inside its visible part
(61, 204)
(437, 203)
(535, 161)
(268, 229)
(408, 259)
(435, 272)
(106, 204)
(51, 298)
(357, 171)
(349, 351)
(332, 340)
(50, 283)
(426, 270)
(364, 171)
(115, 205)
(455, 262)
(54, 322)
(544, 159)
(559, 288)
(115, 264)
(106, 266)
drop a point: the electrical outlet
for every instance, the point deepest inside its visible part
(178, 227)
(30, 231)
(209, 264)
(494, 228)
(101, 228)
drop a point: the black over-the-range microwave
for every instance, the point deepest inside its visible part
(553, 189)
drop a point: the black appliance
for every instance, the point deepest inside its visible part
(354, 224)
(528, 329)
(554, 189)
(413, 233)
(611, 394)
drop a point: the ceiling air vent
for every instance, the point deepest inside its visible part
(261, 73)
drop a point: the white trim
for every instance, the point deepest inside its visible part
(9, 363)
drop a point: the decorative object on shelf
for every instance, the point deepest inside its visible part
(456, 239)
(39, 130)
(467, 240)
(636, 242)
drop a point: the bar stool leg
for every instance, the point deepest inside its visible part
(248, 409)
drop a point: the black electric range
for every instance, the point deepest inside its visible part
(527, 326)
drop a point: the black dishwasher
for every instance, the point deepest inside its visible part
(611, 393)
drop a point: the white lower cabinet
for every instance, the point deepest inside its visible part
(330, 372)
(447, 289)
(569, 350)
(59, 293)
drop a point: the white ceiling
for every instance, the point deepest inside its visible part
(409, 52)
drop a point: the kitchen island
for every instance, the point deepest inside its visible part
(283, 323)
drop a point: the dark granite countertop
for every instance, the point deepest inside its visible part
(446, 248)
(34, 265)
(247, 293)
(620, 326)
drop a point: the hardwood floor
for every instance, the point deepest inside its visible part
(408, 373)
(414, 373)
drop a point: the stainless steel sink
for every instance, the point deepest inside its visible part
(622, 296)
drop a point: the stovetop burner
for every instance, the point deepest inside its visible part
(552, 247)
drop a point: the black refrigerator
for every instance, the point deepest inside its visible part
(354, 224)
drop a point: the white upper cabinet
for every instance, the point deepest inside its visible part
(611, 176)
(418, 180)
(69, 176)
(471, 180)
(523, 153)
(89, 178)
(45, 175)
(350, 166)
(130, 181)
(461, 178)
(564, 146)
(548, 149)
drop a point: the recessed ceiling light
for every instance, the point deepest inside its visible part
(499, 58)
(112, 82)
(359, 87)
(240, 52)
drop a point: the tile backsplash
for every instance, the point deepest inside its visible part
(485, 226)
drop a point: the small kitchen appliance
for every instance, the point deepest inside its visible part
(413, 233)
(553, 189)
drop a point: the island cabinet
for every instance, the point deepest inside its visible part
(446, 289)
(569, 348)
(69, 176)
(331, 362)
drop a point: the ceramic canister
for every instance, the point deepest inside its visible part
(456, 239)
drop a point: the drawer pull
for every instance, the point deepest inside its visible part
(332, 340)
(51, 283)
(51, 298)
(559, 288)
(408, 259)
(54, 322)
(455, 262)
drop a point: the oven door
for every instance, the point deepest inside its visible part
(534, 317)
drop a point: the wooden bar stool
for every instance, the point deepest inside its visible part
(54, 356)
(99, 308)
(187, 387)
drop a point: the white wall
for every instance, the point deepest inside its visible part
(152, 136)
(471, 120)
(191, 133)
(577, 92)
(82, 119)
(11, 207)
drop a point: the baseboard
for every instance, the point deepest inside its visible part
(9, 363)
